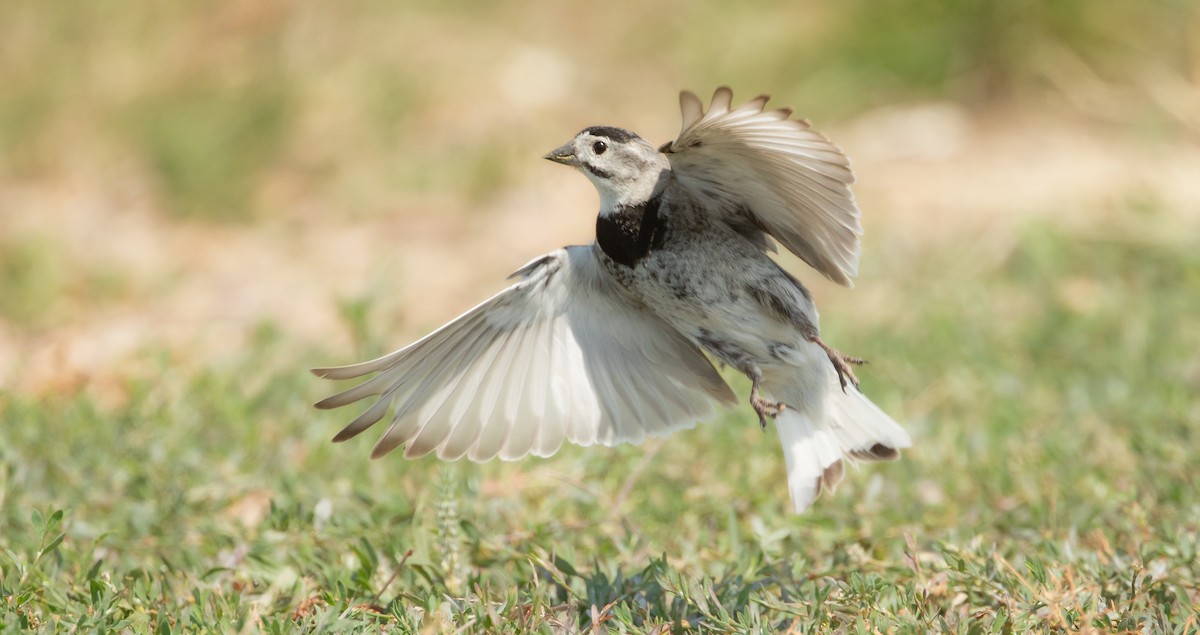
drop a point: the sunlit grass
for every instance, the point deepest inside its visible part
(1051, 487)
(1050, 387)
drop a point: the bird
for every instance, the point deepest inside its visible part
(620, 340)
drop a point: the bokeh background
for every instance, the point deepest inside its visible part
(179, 174)
(199, 200)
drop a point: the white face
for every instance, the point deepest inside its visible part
(624, 168)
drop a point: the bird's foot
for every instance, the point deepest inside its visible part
(765, 407)
(841, 363)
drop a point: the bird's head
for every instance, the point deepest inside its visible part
(625, 169)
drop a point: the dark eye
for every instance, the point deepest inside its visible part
(599, 147)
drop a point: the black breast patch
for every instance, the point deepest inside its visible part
(631, 233)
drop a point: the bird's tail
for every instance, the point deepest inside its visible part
(815, 452)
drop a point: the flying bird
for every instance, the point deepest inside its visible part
(612, 342)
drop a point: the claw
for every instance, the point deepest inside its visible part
(841, 363)
(764, 407)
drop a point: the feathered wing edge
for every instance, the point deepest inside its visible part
(789, 179)
(560, 355)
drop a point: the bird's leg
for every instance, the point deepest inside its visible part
(764, 407)
(841, 362)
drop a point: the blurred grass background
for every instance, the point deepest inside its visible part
(213, 103)
(200, 200)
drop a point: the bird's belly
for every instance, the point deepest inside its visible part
(704, 294)
(706, 299)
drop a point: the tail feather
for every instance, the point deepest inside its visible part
(815, 453)
(813, 457)
(863, 430)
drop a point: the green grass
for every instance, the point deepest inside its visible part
(1052, 486)
(1051, 393)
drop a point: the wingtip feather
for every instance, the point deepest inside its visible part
(722, 99)
(342, 372)
(385, 445)
(368, 418)
(326, 404)
(691, 109)
(758, 103)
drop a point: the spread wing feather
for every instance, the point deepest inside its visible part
(785, 177)
(562, 355)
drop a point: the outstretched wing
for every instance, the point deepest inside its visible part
(562, 354)
(765, 170)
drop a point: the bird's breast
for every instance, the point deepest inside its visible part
(630, 233)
